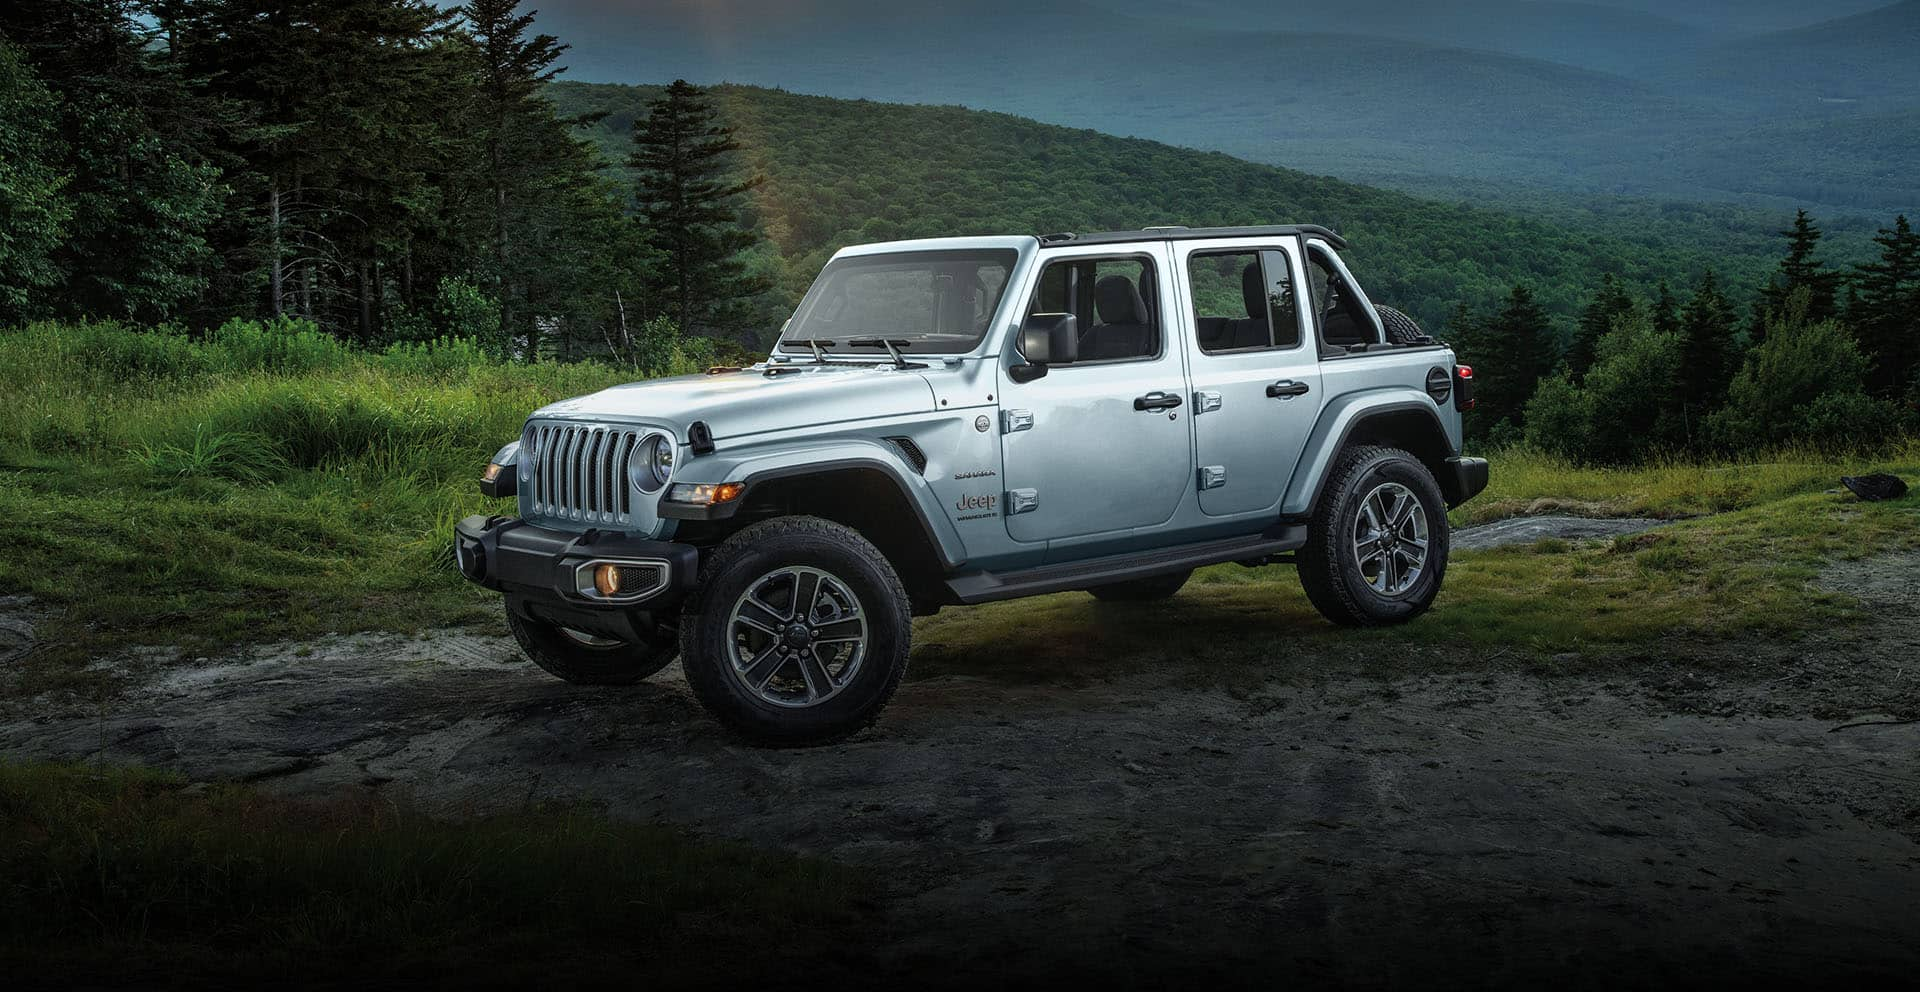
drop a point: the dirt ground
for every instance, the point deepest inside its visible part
(1706, 814)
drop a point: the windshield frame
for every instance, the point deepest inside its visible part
(1008, 257)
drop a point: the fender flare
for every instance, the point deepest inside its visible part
(1332, 432)
(758, 469)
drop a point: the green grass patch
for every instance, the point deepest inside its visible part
(111, 874)
(1743, 574)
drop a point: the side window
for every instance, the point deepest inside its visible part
(1243, 300)
(1112, 300)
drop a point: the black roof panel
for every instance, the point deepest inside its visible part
(1192, 234)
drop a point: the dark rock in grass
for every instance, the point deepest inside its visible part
(16, 628)
(1875, 488)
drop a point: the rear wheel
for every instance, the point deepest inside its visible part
(1377, 546)
(1142, 590)
(799, 634)
(585, 659)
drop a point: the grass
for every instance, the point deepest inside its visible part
(117, 874)
(268, 482)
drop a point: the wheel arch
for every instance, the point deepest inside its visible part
(872, 491)
(1405, 420)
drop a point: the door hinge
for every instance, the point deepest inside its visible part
(1022, 501)
(1205, 401)
(1213, 476)
(1015, 420)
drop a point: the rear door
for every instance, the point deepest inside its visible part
(1255, 371)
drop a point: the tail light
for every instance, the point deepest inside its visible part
(1463, 387)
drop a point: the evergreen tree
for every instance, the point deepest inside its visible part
(1606, 308)
(687, 212)
(142, 192)
(1666, 309)
(33, 206)
(1707, 352)
(1519, 340)
(1884, 309)
(1799, 270)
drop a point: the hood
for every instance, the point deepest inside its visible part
(734, 404)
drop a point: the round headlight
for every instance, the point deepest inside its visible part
(654, 463)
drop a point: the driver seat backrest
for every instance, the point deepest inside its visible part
(1254, 331)
(1124, 328)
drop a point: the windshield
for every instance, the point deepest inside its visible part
(926, 303)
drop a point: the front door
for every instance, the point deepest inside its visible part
(1100, 446)
(1256, 375)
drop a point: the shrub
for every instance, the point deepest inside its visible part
(1804, 383)
(440, 358)
(459, 309)
(284, 346)
(1626, 409)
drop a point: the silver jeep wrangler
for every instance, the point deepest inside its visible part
(961, 420)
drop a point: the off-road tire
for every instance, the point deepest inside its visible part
(571, 660)
(706, 647)
(1400, 328)
(1329, 568)
(1142, 590)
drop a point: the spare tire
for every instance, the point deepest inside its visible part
(1401, 329)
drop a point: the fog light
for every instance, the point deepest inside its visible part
(492, 474)
(606, 580)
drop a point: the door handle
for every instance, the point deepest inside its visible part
(1156, 401)
(1286, 388)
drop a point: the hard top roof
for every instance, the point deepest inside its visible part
(1069, 239)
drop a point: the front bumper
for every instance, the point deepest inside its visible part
(546, 574)
(1464, 479)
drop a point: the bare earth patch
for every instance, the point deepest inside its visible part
(1693, 814)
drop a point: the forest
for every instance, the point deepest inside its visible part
(183, 166)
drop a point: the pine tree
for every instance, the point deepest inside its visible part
(1884, 309)
(1708, 360)
(1666, 310)
(1799, 270)
(686, 200)
(1520, 337)
(1606, 308)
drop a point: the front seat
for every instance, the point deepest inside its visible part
(1254, 331)
(1123, 329)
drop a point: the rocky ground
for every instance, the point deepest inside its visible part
(1706, 813)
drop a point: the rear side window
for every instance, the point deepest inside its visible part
(1114, 300)
(1243, 300)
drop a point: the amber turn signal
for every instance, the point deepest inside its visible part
(702, 494)
(606, 580)
(492, 474)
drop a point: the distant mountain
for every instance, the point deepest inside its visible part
(845, 171)
(1423, 96)
(1870, 59)
(1746, 16)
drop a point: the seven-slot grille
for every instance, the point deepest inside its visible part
(580, 472)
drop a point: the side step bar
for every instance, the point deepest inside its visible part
(986, 587)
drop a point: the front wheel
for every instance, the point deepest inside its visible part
(585, 659)
(799, 634)
(1377, 548)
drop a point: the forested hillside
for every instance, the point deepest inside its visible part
(1696, 101)
(841, 172)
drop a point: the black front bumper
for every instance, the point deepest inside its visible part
(1464, 480)
(539, 571)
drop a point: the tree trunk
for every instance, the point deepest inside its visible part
(364, 290)
(275, 272)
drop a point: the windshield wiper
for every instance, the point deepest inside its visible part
(893, 346)
(819, 346)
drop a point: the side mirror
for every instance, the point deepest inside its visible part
(1047, 339)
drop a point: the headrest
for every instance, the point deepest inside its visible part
(1253, 290)
(1117, 302)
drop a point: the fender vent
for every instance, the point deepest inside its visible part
(911, 452)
